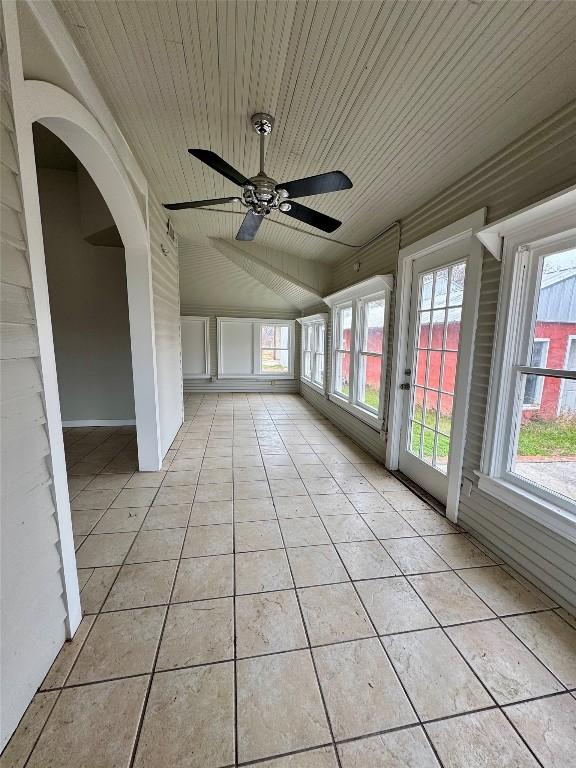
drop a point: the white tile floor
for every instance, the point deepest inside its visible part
(274, 597)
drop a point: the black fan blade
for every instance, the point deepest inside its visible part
(317, 185)
(249, 226)
(314, 218)
(221, 166)
(199, 203)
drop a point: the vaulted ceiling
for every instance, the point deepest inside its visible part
(404, 97)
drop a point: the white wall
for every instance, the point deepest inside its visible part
(32, 625)
(89, 308)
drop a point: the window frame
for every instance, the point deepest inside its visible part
(357, 297)
(256, 361)
(315, 323)
(522, 241)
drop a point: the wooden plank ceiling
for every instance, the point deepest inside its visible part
(405, 97)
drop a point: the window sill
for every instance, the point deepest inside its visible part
(549, 515)
(312, 385)
(196, 376)
(368, 418)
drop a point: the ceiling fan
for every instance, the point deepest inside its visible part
(262, 195)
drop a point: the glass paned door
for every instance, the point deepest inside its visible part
(436, 311)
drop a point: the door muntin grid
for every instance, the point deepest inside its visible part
(434, 363)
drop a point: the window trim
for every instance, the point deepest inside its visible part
(316, 321)
(540, 229)
(357, 296)
(185, 320)
(257, 324)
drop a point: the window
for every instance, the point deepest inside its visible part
(195, 341)
(313, 349)
(360, 321)
(254, 348)
(530, 438)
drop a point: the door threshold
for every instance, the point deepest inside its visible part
(418, 491)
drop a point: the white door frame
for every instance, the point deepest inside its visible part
(461, 230)
(65, 116)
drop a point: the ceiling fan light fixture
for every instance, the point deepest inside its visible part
(262, 195)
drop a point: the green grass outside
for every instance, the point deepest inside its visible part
(548, 438)
(537, 438)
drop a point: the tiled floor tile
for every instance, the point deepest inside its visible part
(28, 730)
(311, 471)
(84, 520)
(303, 531)
(175, 494)
(97, 587)
(215, 476)
(332, 504)
(312, 566)
(436, 677)
(83, 576)
(251, 489)
(407, 748)
(427, 522)
(394, 606)
(74, 732)
(388, 525)
(404, 499)
(294, 506)
(141, 584)
(549, 728)
(121, 520)
(551, 639)
(250, 537)
(414, 556)
(214, 492)
(251, 510)
(288, 488)
(168, 516)
(367, 560)
(163, 544)
(120, 644)
(279, 706)
(334, 613)
(505, 666)
(343, 528)
(107, 481)
(65, 660)
(197, 633)
(145, 480)
(355, 485)
(189, 707)
(361, 690)
(458, 551)
(208, 540)
(104, 549)
(319, 485)
(282, 473)
(479, 740)
(93, 499)
(500, 591)
(311, 758)
(263, 571)
(199, 578)
(249, 474)
(211, 512)
(449, 598)
(369, 502)
(268, 623)
(134, 497)
(182, 477)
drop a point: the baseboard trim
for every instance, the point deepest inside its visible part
(100, 423)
